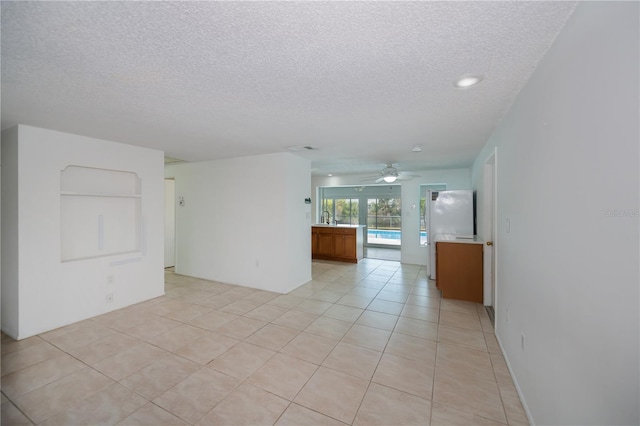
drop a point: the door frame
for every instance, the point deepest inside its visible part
(490, 209)
(170, 206)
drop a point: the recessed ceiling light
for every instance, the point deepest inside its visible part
(329, 175)
(417, 148)
(467, 81)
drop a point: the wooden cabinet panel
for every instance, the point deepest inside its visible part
(349, 242)
(336, 244)
(459, 272)
(325, 244)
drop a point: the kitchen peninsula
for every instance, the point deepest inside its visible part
(343, 243)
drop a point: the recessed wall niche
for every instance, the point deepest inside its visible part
(100, 211)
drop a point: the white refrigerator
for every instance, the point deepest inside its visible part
(449, 213)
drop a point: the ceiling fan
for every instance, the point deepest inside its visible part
(390, 174)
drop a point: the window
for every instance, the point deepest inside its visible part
(327, 207)
(384, 221)
(377, 206)
(347, 211)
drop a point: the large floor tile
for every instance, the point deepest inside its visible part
(385, 306)
(127, 362)
(461, 306)
(247, 405)
(369, 337)
(334, 394)
(474, 396)
(193, 397)
(427, 302)
(240, 328)
(353, 360)
(412, 348)
(472, 339)
(283, 375)
(309, 347)
(241, 360)
(421, 313)
(297, 415)
(328, 327)
(31, 355)
(240, 307)
(417, 328)
(344, 313)
(297, 320)
(460, 319)
(272, 336)
(10, 415)
(512, 405)
(385, 406)
(444, 415)
(106, 407)
(60, 395)
(316, 307)
(407, 375)
(38, 375)
(152, 415)
(8, 345)
(88, 332)
(152, 328)
(212, 320)
(455, 360)
(156, 378)
(206, 348)
(176, 338)
(378, 320)
(104, 348)
(392, 296)
(266, 313)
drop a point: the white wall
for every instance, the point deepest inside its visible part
(568, 181)
(10, 272)
(244, 221)
(40, 292)
(411, 250)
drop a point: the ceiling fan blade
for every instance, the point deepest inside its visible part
(405, 177)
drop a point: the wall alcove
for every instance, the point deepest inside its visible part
(100, 212)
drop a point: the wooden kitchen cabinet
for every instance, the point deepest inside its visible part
(345, 243)
(325, 242)
(459, 272)
(337, 243)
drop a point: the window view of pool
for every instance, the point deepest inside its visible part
(388, 236)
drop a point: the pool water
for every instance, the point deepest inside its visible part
(385, 234)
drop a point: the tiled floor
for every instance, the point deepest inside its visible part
(382, 253)
(365, 344)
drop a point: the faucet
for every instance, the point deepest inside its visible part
(327, 216)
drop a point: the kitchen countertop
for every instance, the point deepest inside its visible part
(324, 225)
(453, 238)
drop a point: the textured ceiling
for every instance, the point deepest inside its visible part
(361, 81)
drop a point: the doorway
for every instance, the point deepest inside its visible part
(169, 223)
(490, 250)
